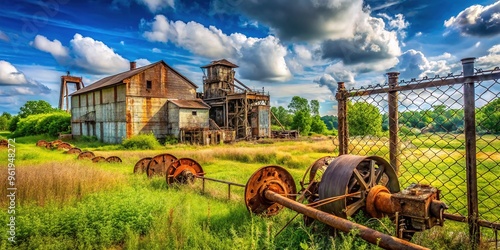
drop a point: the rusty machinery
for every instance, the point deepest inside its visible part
(334, 189)
(82, 155)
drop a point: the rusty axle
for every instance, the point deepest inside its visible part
(368, 234)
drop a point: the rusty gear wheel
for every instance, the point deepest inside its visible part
(86, 155)
(183, 171)
(159, 164)
(142, 165)
(353, 176)
(274, 178)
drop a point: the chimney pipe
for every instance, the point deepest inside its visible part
(132, 65)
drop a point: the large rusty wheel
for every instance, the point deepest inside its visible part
(142, 165)
(312, 177)
(4, 143)
(352, 177)
(310, 182)
(114, 159)
(42, 143)
(183, 171)
(74, 151)
(274, 178)
(98, 159)
(159, 164)
(64, 145)
(86, 155)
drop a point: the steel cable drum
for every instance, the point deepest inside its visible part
(355, 175)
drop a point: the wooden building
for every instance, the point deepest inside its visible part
(234, 106)
(154, 98)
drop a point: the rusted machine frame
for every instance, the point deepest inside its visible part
(373, 236)
(270, 188)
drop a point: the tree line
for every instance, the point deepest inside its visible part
(366, 119)
(301, 115)
(36, 117)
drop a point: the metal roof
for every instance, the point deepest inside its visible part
(118, 78)
(190, 104)
(221, 62)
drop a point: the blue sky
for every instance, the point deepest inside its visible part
(290, 48)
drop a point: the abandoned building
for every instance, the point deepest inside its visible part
(233, 104)
(157, 99)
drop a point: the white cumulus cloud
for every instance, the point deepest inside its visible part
(491, 60)
(95, 56)
(55, 47)
(262, 58)
(84, 53)
(477, 20)
(14, 82)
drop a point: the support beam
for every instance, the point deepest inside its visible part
(366, 233)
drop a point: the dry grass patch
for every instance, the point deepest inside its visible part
(58, 181)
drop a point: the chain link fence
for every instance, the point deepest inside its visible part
(442, 131)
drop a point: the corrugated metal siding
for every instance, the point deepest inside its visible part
(261, 121)
(145, 115)
(104, 120)
(131, 108)
(173, 120)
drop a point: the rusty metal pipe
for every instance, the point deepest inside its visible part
(368, 234)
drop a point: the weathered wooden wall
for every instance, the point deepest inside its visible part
(181, 118)
(147, 108)
(173, 119)
(189, 121)
(118, 112)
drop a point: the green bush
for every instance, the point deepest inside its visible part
(51, 124)
(171, 140)
(143, 141)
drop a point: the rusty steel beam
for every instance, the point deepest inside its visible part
(342, 119)
(366, 233)
(470, 153)
(393, 121)
(428, 83)
(482, 223)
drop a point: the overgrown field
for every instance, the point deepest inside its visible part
(63, 203)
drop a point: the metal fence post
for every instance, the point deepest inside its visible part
(393, 78)
(470, 153)
(341, 97)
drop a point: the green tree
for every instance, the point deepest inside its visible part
(299, 104)
(35, 107)
(363, 119)
(7, 115)
(302, 121)
(317, 125)
(488, 117)
(331, 121)
(282, 114)
(13, 123)
(5, 121)
(314, 107)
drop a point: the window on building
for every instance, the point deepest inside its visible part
(148, 84)
(194, 112)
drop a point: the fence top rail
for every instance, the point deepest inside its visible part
(426, 82)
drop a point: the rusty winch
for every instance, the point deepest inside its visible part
(333, 189)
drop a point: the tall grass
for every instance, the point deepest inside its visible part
(57, 182)
(114, 209)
